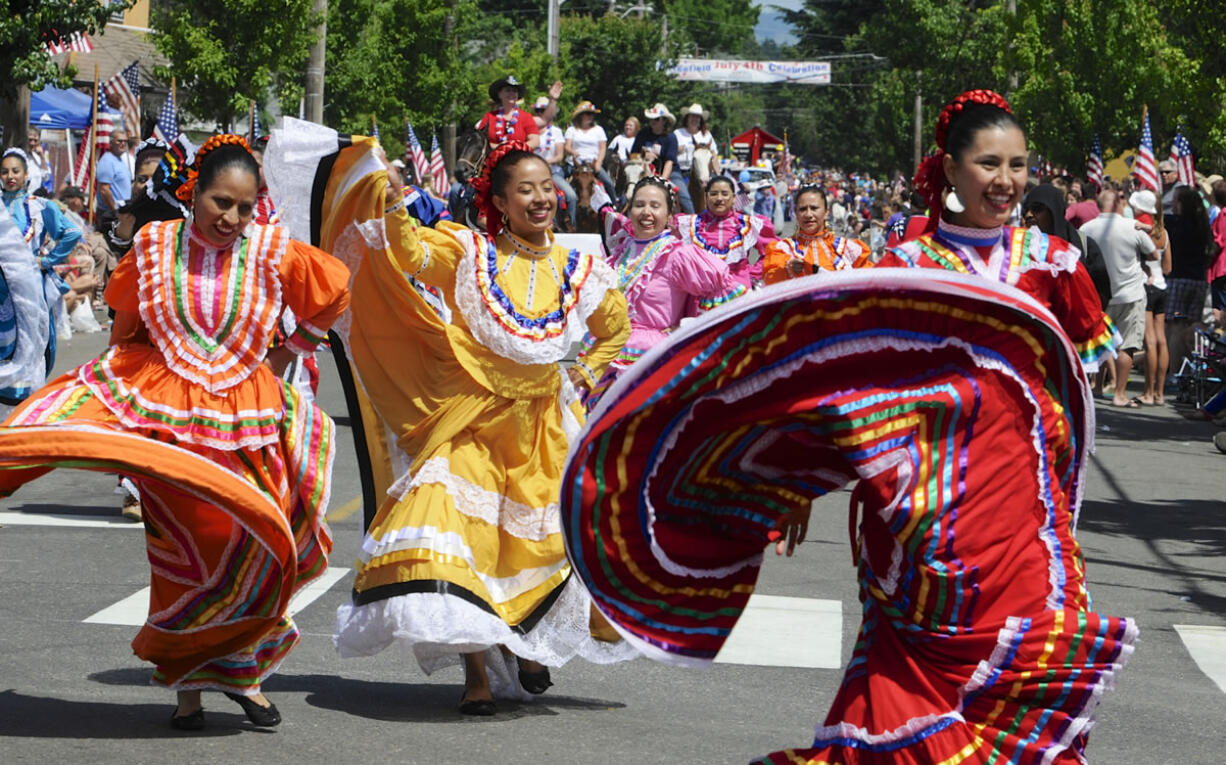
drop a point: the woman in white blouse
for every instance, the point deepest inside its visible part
(586, 142)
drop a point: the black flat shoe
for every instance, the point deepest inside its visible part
(262, 717)
(535, 682)
(477, 707)
(194, 721)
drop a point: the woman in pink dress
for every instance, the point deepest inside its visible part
(729, 235)
(658, 272)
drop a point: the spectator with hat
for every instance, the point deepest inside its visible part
(691, 135)
(586, 142)
(657, 143)
(552, 150)
(1144, 205)
(506, 121)
(1122, 245)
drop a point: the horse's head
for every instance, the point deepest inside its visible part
(701, 169)
(583, 180)
(634, 170)
(471, 149)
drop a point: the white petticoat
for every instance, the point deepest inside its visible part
(439, 628)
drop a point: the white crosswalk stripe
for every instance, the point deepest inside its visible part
(67, 520)
(132, 610)
(776, 631)
(1208, 648)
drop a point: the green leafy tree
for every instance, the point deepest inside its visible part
(714, 27)
(25, 27)
(404, 59)
(228, 52)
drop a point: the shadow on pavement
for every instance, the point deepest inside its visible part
(415, 702)
(23, 716)
(1152, 424)
(1197, 524)
(36, 508)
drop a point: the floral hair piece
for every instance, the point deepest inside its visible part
(930, 182)
(185, 191)
(485, 192)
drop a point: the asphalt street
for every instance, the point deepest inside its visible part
(1153, 528)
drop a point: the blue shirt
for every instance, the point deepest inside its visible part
(113, 171)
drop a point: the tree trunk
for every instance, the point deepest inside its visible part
(15, 118)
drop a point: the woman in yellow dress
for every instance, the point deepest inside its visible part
(465, 555)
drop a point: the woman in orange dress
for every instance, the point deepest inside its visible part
(814, 248)
(232, 465)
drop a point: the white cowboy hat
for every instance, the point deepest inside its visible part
(695, 108)
(660, 110)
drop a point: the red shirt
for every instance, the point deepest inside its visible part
(499, 129)
(1081, 213)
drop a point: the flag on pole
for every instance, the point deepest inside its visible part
(77, 41)
(105, 121)
(438, 170)
(374, 127)
(421, 166)
(1181, 155)
(124, 90)
(1145, 168)
(1094, 167)
(167, 127)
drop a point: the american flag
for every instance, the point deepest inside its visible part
(167, 127)
(438, 170)
(1094, 167)
(77, 41)
(1181, 155)
(1145, 168)
(124, 90)
(104, 120)
(421, 166)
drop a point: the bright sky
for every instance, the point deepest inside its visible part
(771, 25)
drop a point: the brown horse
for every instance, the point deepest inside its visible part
(583, 180)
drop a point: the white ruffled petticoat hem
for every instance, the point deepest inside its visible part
(439, 628)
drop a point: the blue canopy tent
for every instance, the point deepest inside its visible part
(55, 109)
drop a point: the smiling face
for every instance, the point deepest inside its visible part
(508, 95)
(13, 173)
(649, 211)
(528, 199)
(631, 127)
(224, 209)
(720, 197)
(693, 123)
(811, 212)
(990, 176)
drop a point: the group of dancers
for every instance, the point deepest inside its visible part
(508, 536)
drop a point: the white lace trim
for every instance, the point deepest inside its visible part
(1043, 257)
(290, 163)
(486, 329)
(516, 518)
(438, 628)
(908, 729)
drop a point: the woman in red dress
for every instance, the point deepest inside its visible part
(972, 186)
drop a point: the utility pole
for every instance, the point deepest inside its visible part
(919, 121)
(449, 128)
(553, 43)
(315, 66)
(1011, 7)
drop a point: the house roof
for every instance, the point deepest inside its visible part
(115, 47)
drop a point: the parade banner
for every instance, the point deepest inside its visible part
(737, 70)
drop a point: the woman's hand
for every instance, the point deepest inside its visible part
(576, 379)
(555, 90)
(792, 528)
(796, 267)
(395, 183)
(278, 359)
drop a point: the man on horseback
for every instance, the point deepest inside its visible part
(658, 144)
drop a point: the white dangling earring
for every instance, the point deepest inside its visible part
(953, 202)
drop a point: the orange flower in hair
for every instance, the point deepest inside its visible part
(184, 192)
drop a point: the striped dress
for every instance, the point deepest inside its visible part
(958, 409)
(233, 466)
